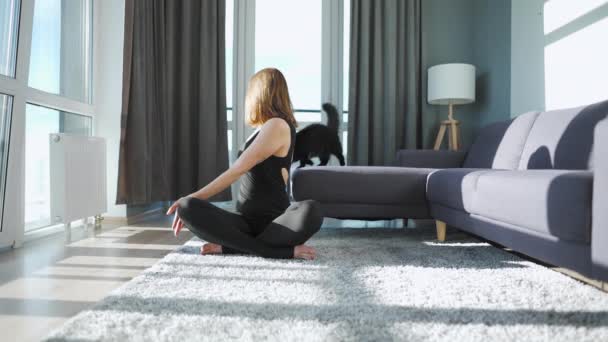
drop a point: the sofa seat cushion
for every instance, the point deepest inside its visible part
(361, 184)
(454, 188)
(553, 202)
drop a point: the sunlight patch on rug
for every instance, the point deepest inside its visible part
(367, 284)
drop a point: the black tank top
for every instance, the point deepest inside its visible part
(263, 192)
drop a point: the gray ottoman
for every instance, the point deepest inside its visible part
(364, 192)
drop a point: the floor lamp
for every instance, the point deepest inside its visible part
(451, 84)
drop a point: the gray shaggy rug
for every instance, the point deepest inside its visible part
(367, 284)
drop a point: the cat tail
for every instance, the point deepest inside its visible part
(333, 121)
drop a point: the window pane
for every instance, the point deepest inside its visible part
(9, 27)
(307, 117)
(230, 125)
(60, 61)
(346, 56)
(229, 43)
(39, 123)
(291, 42)
(6, 108)
(558, 13)
(567, 86)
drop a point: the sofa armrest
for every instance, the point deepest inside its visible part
(434, 159)
(599, 228)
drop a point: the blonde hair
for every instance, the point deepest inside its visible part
(267, 98)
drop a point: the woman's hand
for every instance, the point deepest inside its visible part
(178, 224)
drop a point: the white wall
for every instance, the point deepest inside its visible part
(558, 54)
(107, 96)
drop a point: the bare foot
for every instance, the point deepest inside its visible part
(304, 252)
(211, 248)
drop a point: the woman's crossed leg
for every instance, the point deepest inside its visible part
(282, 238)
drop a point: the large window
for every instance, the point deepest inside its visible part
(60, 64)
(229, 66)
(292, 43)
(9, 25)
(60, 61)
(574, 57)
(346, 67)
(6, 107)
(303, 39)
(45, 87)
(9, 28)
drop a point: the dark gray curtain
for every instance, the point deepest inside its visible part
(173, 136)
(385, 80)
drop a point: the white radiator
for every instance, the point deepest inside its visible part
(78, 177)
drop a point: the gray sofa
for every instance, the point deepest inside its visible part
(537, 184)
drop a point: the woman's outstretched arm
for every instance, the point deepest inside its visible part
(270, 139)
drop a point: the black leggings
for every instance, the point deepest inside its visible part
(237, 234)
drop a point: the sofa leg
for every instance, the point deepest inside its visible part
(441, 228)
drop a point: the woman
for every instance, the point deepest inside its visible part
(267, 225)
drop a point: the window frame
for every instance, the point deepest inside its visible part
(13, 220)
(243, 64)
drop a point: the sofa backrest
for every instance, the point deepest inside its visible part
(563, 139)
(500, 145)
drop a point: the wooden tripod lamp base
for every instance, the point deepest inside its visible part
(450, 84)
(453, 129)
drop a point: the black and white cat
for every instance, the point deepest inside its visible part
(318, 140)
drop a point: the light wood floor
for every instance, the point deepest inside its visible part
(48, 281)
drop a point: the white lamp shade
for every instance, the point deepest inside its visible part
(451, 84)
